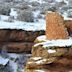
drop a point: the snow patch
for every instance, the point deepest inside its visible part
(51, 51)
(13, 13)
(3, 61)
(36, 13)
(39, 70)
(3, 17)
(40, 61)
(39, 1)
(58, 0)
(41, 38)
(37, 58)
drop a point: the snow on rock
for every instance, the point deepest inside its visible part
(36, 58)
(39, 70)
(41, 38)
(58, 42)
(51, 51)
(3, 61)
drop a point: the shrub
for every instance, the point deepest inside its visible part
(7, 0)
(34, 3)
(4, 10)
(44, 7)
(52, 9)
(69, 12)
(22, 6)
(26, 15)
(43, 11)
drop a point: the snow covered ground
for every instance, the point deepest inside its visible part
(23, 25)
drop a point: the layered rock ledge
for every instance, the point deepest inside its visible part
(18, 40)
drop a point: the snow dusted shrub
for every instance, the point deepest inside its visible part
(4, 10)
(26, 15)
(41, 16)
(23, 6)
(34, 3)
(43, 11)
(7, 0)
(44, 7)
(53, 9)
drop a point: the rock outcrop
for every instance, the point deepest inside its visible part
(52, 52)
